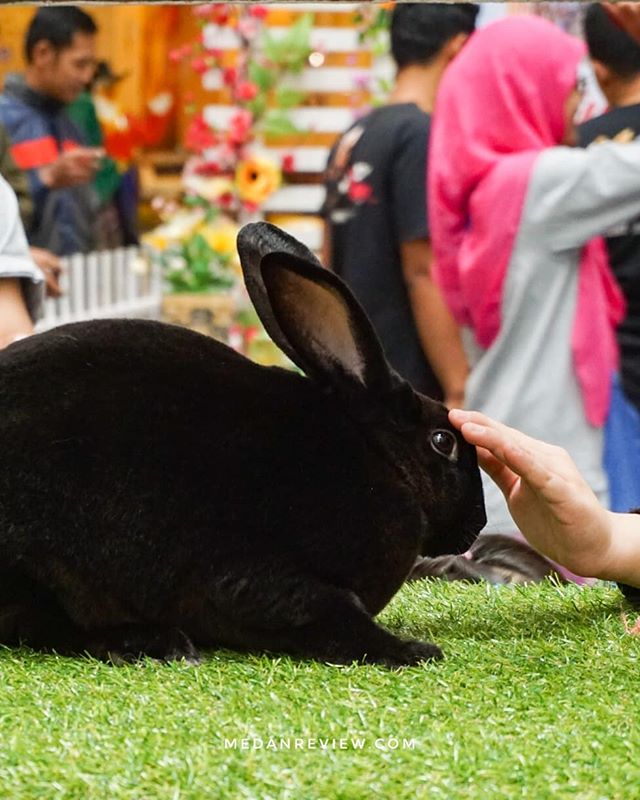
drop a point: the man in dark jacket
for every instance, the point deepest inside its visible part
(60, 55)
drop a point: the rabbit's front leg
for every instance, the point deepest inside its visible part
(269, 605)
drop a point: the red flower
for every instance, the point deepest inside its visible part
(208, 168)
(213, 52)
(229, 76)
(220, 13)
(240, 127)
(246, 90)
(199, 135)
(259, 12)
(288, 163)
(199, 65)
(226, 200)
(359, 192)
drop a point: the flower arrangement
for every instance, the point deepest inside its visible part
(228, 176)
(196, 250)
(256, 87)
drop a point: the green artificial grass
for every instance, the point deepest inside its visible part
(537, 698)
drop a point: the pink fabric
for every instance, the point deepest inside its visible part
(500, 104)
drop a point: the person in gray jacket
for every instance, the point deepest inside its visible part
(516, 211)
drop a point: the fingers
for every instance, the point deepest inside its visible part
(45, 259)
(498, 433)
(51, 267)
(534, 461)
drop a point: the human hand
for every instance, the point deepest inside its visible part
(625, 16)
(51, 269)
(72, 168)
(549, 500)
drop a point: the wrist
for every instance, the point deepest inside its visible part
(623, 558)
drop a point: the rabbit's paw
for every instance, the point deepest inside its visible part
(129, 644)
(407, 653)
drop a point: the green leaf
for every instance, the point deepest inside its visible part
(287, 97)
(292, 49)
(258, 106)
(263, 78)
(277, 123)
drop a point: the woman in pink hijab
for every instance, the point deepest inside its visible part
(513, 216)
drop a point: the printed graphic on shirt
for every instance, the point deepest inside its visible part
(347, 186)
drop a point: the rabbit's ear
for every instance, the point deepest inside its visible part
(326, 331)
(310, 313)
(255, 241)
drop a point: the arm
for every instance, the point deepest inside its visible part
(21, 282)
(626, 16)
(576, 194)
(551, 503)
(72, 168)
(437, 330)
(325, 255)
(15, 321)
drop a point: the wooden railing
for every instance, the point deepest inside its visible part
(110, 283)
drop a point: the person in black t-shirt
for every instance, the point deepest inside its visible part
(377, 237)
(616, 63)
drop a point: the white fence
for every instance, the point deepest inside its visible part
(109, 283)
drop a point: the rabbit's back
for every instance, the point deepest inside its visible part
(140, 456)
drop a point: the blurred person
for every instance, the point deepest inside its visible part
(615, 58)
(60, 56)
(21, 282)
(376, 232)
(514, 211)
(116, 182)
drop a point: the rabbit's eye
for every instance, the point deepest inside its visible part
(445, 444)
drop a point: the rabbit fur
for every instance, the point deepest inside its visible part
(160, 493)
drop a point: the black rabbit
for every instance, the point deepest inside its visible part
(159, 492)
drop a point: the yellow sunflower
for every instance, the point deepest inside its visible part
(256, 179)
